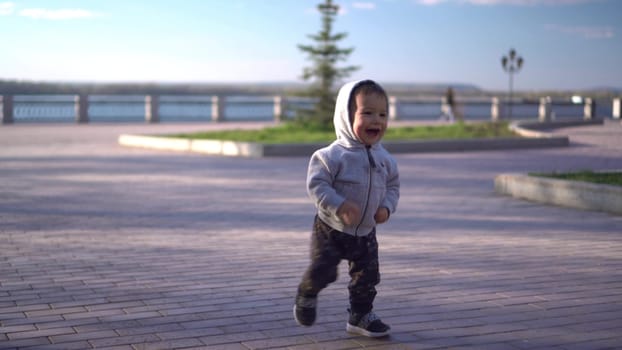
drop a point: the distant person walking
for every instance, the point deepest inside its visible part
(449, 110)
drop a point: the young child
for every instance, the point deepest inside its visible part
(354, 183)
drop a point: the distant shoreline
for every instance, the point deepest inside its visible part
(12, 87)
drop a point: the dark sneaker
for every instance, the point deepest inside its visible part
(304, 310)
(368, 324)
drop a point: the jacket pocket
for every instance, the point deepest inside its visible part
(379, 179)
(352, 190)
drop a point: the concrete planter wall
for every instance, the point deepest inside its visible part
(573, 194)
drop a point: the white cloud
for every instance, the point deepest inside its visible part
(6, 8)
(525, 2)
(505, 2)
(60, 14)
(364, 5)
(586, 32)
(430, 2)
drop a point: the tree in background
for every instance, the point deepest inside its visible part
(324, 73)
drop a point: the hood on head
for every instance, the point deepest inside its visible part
(341, 118)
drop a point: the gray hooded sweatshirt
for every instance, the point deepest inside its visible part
(347, 169)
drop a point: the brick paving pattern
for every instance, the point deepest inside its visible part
(115, 248)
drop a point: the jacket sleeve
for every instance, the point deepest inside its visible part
(392, 195)
(320, 178)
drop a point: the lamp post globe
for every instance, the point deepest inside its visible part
(511, 63)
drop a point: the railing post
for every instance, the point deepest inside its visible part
(544, 110)
(7, 109)
(279, 108)
(494, 109)
(615, 110)
(152, 109)
(589, 109)
(393, 107)
(218, 108)
(81, 107)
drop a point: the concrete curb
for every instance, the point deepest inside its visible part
(573, 194)
(537, 129)
(249, 149)
(474, 144)
(534, 136)
(216, 147)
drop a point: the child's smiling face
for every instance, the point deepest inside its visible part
(370, 118)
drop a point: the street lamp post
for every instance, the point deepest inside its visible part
(511, 64)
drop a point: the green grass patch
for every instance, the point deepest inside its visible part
(292, 133)
(451, 131)
(606, 178)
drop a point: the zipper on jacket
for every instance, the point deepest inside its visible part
(372, 165)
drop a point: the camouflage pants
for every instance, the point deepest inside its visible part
(328, 248)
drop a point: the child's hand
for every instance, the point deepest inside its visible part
(349, 213)
(382, 215)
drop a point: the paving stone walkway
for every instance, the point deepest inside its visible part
(115, 248)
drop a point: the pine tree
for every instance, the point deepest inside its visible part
(324, 73)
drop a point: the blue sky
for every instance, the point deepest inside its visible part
(566, 44)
